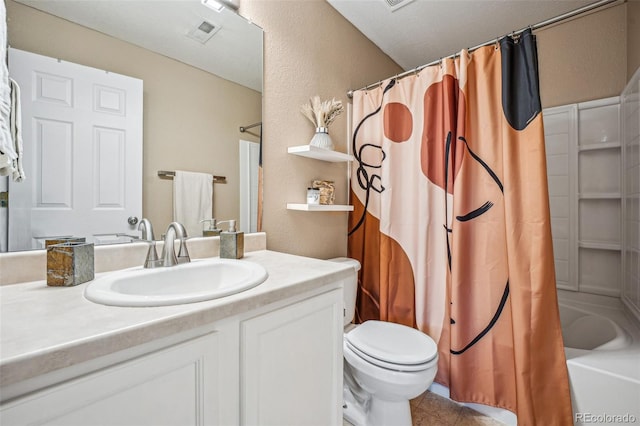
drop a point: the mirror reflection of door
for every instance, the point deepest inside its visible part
(82, 135)
(249, 168)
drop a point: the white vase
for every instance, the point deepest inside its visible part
(322, 139)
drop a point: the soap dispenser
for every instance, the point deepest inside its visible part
(231, 242)
(209, 228)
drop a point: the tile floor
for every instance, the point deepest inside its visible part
(430, 409)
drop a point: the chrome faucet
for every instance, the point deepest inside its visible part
(146, 228)
(152, 260)
(169, 258)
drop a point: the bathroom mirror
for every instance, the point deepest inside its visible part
(202, 75)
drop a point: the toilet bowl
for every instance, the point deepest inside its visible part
(385, 365)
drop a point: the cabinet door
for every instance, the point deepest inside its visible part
(174, 386)
(291, 364)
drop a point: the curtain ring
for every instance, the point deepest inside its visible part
(516, 36)
(530, 28)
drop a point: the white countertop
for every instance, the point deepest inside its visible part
(43, 328)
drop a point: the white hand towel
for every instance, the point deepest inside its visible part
(11, 165)
(16, 130)
(192, 200)
(7, 151)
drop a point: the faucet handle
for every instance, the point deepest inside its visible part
(152, 260)
(183, 253)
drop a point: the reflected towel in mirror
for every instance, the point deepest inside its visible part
(192, 200)
(7, 150)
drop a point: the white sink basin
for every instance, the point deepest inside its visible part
(199, 280)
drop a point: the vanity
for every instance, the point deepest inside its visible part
(269, 355)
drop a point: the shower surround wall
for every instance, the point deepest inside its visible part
(630, 126)
(593, 167)
(585, 191)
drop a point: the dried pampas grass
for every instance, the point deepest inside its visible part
(322, 113)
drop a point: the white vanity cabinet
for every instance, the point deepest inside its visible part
(291, 364)
(278, 364)
(178, 385)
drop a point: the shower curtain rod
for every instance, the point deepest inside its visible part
(551, 21)
(250, 126)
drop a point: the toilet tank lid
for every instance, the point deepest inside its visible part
(347, 260)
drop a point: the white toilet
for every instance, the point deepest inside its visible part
(385, 365)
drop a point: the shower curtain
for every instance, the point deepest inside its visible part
(451, 225)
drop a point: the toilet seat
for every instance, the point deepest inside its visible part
(392, 346)
(403, 368)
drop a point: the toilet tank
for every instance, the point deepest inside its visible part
(350, 289)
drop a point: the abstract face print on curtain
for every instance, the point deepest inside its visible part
(451, 225)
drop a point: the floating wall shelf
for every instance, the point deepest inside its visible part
(320, 207)
(322, 154)
(319, 153)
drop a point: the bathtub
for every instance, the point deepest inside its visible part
(602, 346)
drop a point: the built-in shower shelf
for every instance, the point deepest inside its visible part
(599, 246)
(586, 192)
(320, 207)
(602, 145)
(600, 196)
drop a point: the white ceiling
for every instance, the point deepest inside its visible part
(233, 53)
(423, 31)
(416, 33)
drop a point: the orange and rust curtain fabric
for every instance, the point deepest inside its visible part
(451, 225)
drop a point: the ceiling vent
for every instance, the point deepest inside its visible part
(397, 4)
(203, 32)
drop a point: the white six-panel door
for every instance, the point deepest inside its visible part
(82, 133)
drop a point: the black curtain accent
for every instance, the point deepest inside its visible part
(520, 85)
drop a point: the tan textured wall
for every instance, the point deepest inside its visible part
(309, 49)
(583, 59)
(633, 37)
(189, 123)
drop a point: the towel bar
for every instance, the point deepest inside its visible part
(170, 175)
